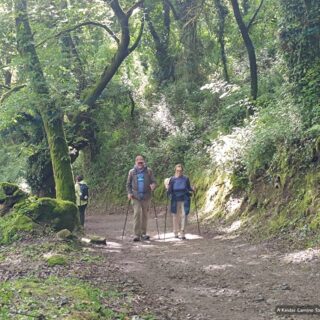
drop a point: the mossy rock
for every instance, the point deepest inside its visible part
(64, 234)
(13, 225)
(57, 214)
(10, 194)
(56, 260)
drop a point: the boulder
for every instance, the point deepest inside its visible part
(64, 234)
(10, 194)
(57, 214)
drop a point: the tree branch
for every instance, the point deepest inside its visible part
(135, 44)
(255, 15)
(133, 105)
(122, 53)
(80, 25)
(152, 29)
(3, 86)
(11, 90)
(135, 6)
(173, 9)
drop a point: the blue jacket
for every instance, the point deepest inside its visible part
(186, 195)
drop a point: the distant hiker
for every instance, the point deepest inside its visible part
(82, 197)
(140, 184)
(179, 190)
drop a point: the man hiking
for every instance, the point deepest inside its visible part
(179, 189)
(82, 196)
(140, 184)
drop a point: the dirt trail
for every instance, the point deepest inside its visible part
(217, 276)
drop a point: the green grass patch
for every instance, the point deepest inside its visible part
(59, 298)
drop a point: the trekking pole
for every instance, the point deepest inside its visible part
(165, 219)
(156, 217)
(195, 203)
(125, 221)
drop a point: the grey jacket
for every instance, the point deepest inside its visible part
(132, 183)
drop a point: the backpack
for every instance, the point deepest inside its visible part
(183, 186)
(84, 192)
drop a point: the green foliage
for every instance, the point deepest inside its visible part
(239, 179)
(276, 125)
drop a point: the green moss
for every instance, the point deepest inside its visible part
(13, 225)
(64, 234)
(8, 188)
(2, 195)
(56, 260)
(10, 194)
(58, 214)
(60, 298)
(239, 180)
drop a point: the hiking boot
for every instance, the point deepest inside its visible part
(145, 237)
(176, 236)
(136, 239)
(183, 238)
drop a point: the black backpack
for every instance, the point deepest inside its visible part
(84, 192)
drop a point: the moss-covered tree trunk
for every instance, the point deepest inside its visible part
(51, 115)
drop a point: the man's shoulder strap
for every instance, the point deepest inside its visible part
(132, 172)
(149, 171)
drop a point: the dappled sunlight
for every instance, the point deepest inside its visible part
(139, 246)
(234, 227)
(169, 237)
(215, 267)
(233, 205)
(114, 245)
(226, 237)
(227, 151)
(254, 263)
(216, 292)
(301, 256)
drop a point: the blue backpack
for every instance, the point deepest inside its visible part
(84, 192)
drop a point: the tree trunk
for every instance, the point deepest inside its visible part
(250, 49)
(192, 45)
(52, 117)
(73, 59)
(222, 13)
(165, 70)
(122, 53)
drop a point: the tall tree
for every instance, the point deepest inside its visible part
(51, 116)
(161, 40)
(186, 12)
(123, 51)
(244, 30)
(222, 11)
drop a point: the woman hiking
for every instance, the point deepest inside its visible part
(179, 190)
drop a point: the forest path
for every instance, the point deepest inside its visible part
(217, 276)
